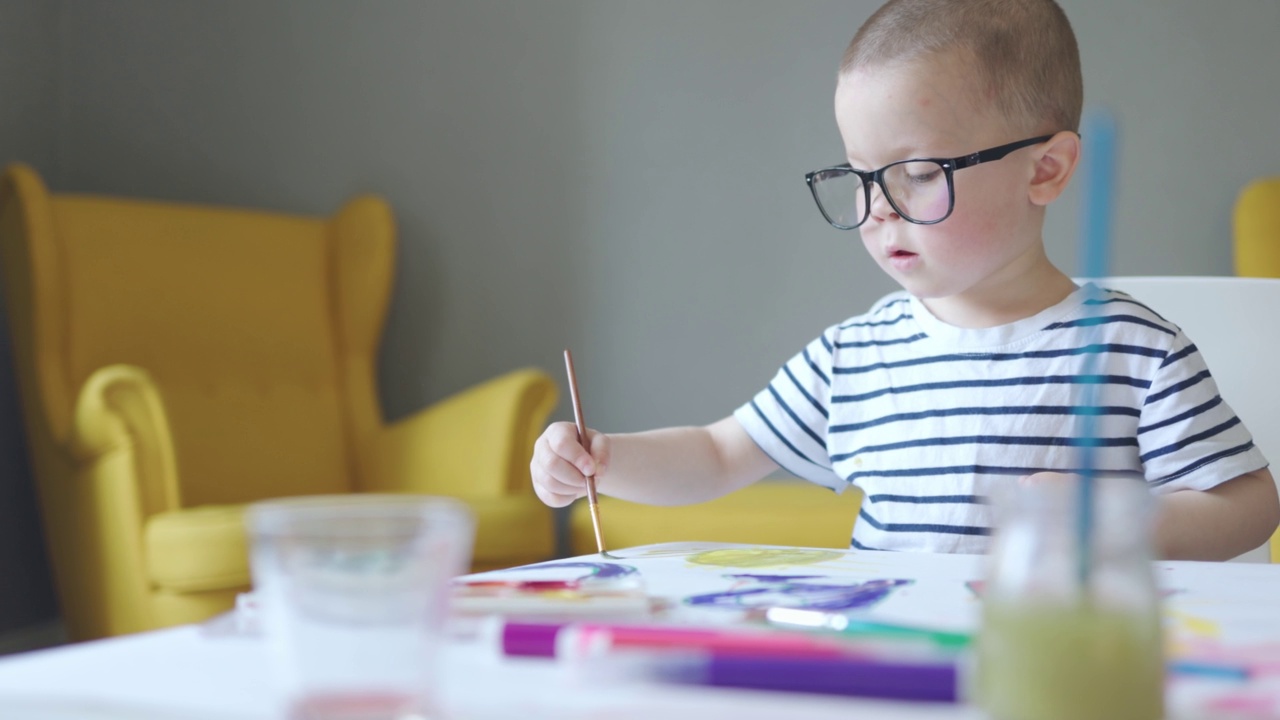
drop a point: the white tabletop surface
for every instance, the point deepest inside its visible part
(187, 672)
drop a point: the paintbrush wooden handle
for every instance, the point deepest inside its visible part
(592, 499)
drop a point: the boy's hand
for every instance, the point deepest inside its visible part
(560, 465)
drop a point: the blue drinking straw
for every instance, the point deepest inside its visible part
(1097, 166)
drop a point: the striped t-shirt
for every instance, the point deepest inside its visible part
(927, 419)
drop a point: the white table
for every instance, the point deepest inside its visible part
(187, 673)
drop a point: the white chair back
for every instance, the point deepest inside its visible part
(1235, 322)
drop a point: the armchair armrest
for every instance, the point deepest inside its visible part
(475, 444)
(119, 410)
(123, 471)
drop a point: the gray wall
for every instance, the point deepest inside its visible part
(28, 63)
(620, 177)
(624, 178)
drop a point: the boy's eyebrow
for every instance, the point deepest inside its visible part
(904, 151)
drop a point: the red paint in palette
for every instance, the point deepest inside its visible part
(530, 585)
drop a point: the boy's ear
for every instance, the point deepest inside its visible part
(1055, 164)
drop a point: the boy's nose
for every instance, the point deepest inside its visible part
(881, 208)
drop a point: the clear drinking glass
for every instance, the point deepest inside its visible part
(353, 593)
(1052, 647)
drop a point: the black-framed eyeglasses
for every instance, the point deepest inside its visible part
(921, 190)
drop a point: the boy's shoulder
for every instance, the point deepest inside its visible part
(1121, 306)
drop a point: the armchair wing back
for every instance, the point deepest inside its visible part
(1256, 229)
(177, 361)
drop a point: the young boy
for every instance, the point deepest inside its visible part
(970, 378)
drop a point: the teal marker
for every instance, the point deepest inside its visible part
(841, 624)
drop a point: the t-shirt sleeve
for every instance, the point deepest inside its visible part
(788, 419)
(1188, 437)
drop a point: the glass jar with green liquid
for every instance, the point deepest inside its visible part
(1062, 640)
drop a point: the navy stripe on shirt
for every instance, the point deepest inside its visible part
(1197, 410)
(1116, 348)
(1032, 440)
(1175, 357)
(1183, 442)
(1107, 319)
(928, 499)
(796, 418)
(1008, 410)
(780, 436)
(796, 381)
(816, 370)
(881, 343)
(1202, 462)
(864, 516)
(1176, 387)
(979, 470)
(1004, 382)
(878, 323)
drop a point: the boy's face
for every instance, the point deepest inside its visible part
(933, 109)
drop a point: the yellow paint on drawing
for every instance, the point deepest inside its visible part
(763, 557)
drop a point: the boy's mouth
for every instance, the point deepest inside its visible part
(903, 260)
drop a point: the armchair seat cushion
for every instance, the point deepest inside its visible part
(198, 549)
(770, 512)
(205, 549)
(511, 531)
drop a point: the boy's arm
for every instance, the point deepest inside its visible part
(671, 466)
(1219, 523)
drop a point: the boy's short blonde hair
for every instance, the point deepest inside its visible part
(1023, 52)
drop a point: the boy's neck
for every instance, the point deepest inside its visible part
(1007, 302)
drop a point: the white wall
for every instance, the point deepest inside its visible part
(622, 177)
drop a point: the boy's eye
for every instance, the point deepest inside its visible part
(923, 173)
(913, 175)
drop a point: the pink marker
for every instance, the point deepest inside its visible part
(588, 639)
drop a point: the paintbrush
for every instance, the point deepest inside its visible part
(592, 500)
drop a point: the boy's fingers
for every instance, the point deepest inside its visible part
(551, 499)
(563, 441)
(554, 472)
(563, 478)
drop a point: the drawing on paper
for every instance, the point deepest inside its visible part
(799, 592)
(763, 557)
(594, 570)
(554, 588)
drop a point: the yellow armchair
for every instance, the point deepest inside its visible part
(176, 362)
(1256, 229)
(770, 512)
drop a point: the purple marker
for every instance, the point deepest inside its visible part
(918, 681)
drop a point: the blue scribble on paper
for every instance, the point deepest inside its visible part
(775, 578)
(597, 570)
(791, 594)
